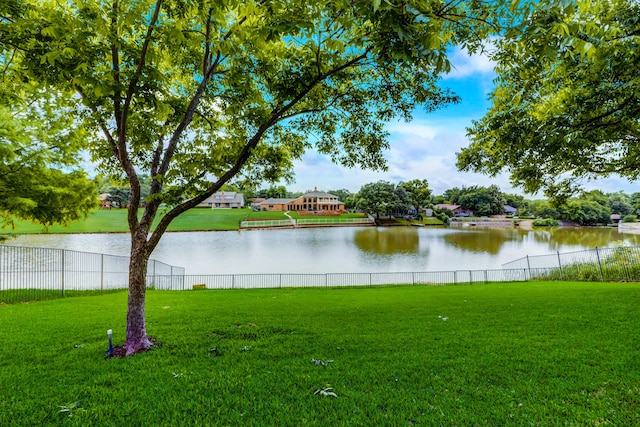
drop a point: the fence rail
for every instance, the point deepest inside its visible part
(337, 280)
(620, 263)
(35, 273)
(26, 272)
(302, 222)
(334, 221)
(267, 223)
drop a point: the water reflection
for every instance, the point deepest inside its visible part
(489, 240)
(345, 249)
(589, 237)
(388, 241)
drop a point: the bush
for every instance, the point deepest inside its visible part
(547, 222)
(629, 218)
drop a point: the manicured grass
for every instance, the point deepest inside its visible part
(552, 353)
(115, 221)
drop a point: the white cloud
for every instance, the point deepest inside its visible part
(464, 64)
(419, 150)
(426, 147)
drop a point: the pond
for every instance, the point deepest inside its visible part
(344, 249)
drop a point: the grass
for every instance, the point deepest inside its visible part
(553, 353)
(115, 221)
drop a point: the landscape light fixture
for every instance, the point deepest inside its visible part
(110, 350)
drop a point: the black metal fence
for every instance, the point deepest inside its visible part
(337, 280)
(37, 273)
(28, 273)
(621, 263)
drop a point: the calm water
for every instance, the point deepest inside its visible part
(344, 250)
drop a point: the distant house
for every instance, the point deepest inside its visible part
(615, 218)
(509, 210)
(456, 209)
(256, 201)
(313, 202)
(224, 200)
(105, 200)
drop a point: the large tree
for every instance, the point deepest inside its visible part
(377, 198)
(195, 93)
(566, 106)
(482, 200)
(418, 192)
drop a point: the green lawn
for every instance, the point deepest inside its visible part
(551, 353)
(115, 221)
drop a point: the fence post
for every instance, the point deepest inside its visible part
(413, 279)
(62, 271)
(560, 266)
(626, 264)
(101, 273)
(599, 264)
(529, 266)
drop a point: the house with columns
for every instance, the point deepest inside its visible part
(313, 203)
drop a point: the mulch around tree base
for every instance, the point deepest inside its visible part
(121, 351)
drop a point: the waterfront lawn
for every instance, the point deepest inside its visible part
(198, 219)
(541, 353)
(115, 221)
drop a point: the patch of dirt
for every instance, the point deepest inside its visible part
(121, 351)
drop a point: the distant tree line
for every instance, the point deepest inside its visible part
(384, 198)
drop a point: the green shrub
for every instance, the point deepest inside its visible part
(546, 222)
(629, 218)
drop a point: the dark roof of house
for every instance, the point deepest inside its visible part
(446, 206)
(224, 197)
(276, 201)
(318, 194)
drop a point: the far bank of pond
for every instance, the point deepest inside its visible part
(345, 249)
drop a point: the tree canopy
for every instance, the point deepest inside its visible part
(418, 192)
(195, 93)
(482, 200)
(40, 177)
(566, 106)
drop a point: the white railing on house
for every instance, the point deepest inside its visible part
(303, 222)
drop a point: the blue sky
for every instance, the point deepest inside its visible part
(426, 147)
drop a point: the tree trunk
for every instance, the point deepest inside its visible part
(137, 339)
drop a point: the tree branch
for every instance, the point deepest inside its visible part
(246, 151)
(103, 126)
(128, 167)
(207, 47)
(605, 114)
(115, 61)
(136, 77)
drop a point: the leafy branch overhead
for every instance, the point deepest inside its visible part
(566, 106)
